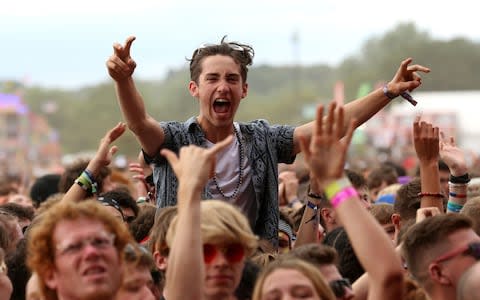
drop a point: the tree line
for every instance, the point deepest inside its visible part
(278, 94)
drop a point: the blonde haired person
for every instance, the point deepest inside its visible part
(294, 277)
(389, 189)
(221, 222)
(219, 228)
(224, 230)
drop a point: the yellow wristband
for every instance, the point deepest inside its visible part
(333, 188)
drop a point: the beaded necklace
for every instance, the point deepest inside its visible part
(240, 173)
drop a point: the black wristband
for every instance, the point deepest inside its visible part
(314, 195)
(460, 179)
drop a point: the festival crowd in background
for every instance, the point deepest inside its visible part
(213, 208)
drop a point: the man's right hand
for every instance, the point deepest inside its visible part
(194, 165)
(121, 65)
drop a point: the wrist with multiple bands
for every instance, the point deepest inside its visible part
(339, 191)
(87, 182)
(454, 207)
(315, 216)
(465, 178)
(333, 188)
(343, 195)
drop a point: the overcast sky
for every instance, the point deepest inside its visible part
(66, 43)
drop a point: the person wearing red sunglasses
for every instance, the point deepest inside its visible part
(439, 250)
(208, 240)
(227, 241)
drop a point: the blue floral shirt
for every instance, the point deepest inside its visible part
(266, 146)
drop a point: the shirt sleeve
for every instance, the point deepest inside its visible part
(282, 138)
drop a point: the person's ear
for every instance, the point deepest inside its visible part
(193, 88)
(396, 223)
(328, 215)
(244, 90)
(436, 274)
(396, 220)
(160, 260)
(50, 279)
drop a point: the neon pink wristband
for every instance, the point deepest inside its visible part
(343, 195)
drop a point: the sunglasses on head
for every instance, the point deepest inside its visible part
(338, 286)
(233, 253)
(133, 252)
(472, 249)
(233, 46)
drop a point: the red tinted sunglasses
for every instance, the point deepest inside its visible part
(472, 249)
(233, 253)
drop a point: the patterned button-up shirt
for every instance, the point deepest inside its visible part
(265, 145)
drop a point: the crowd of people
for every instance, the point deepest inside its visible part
(213, 209)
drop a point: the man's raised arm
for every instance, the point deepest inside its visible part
(362, 109)
(147, 130)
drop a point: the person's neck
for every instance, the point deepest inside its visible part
(165, 293)
(220, 297)
(66, 297)
(331, 226)
(442, 293)
(215, 134)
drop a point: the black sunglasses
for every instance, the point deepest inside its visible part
(338, 286)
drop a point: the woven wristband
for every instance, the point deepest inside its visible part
(333, 188)
(83, 183)
(457, 185)
(93, 185)
(343, 195)
(465, 178)
(89, 175)
(427, 194)
(315, 216)
(457, 195)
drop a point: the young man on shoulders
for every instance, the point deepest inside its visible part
(246, 171)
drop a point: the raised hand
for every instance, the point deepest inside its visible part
(288, 186)
(195, 165)
(121, 65)
(104, 154)
(139, 181)
(137, 172)
(426, 141)
(426, 212)
(326, 152)
(453, 156)
(406, 78)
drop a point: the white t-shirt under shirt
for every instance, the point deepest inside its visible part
(228, 171)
